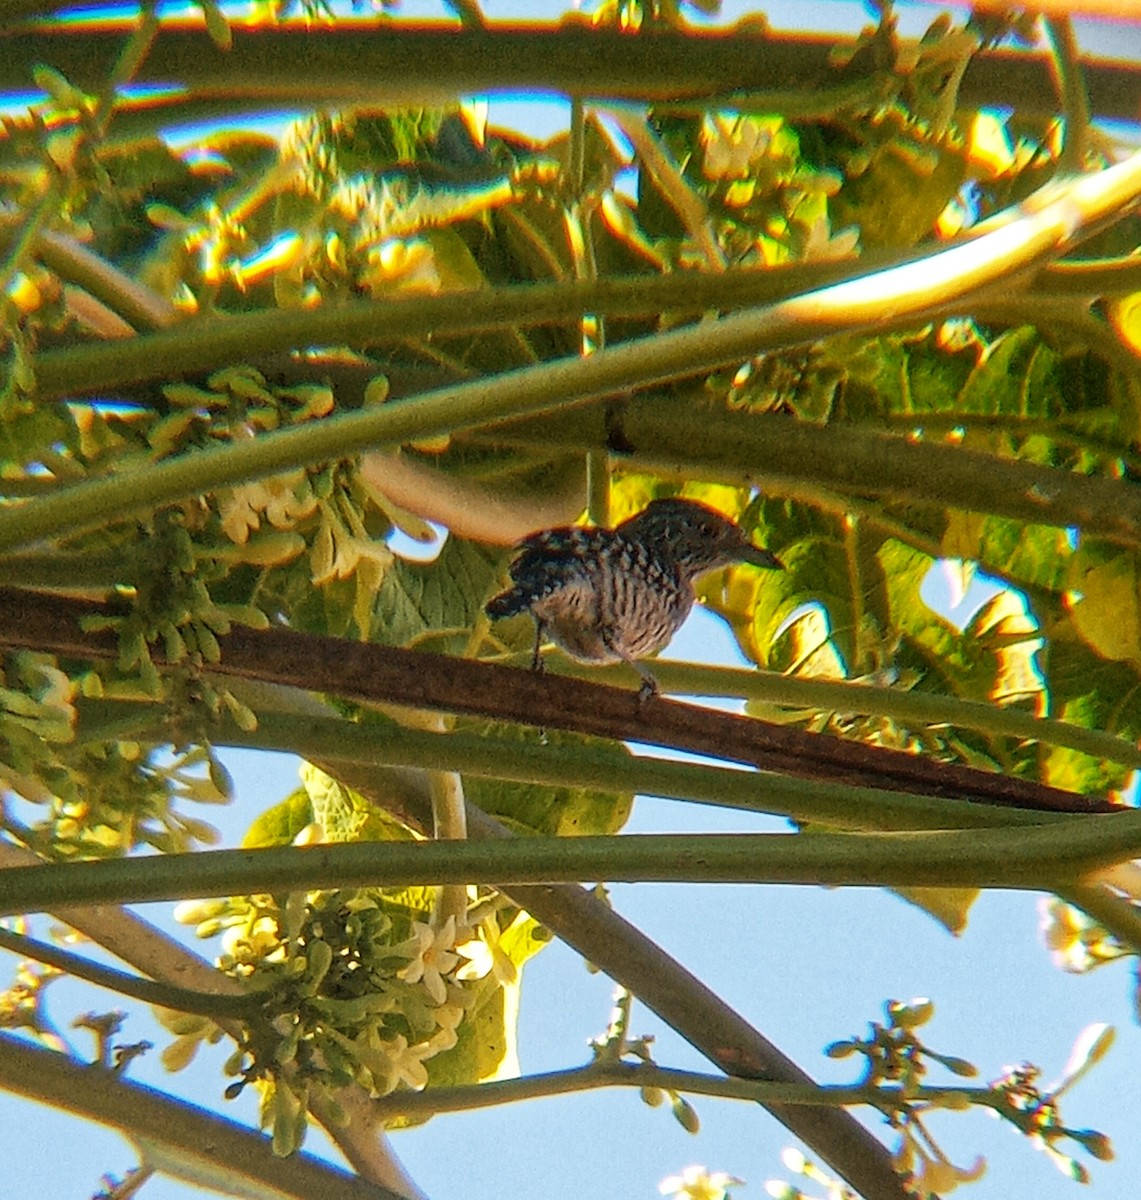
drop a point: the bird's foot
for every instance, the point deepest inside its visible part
(537, 664)
(649, 689)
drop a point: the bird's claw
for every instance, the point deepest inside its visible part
(648, 691)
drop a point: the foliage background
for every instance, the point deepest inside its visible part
(895, 955)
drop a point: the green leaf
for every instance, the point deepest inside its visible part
(901, 191)
(1033, 555)
(1013, 377)
(1092, 692)
(949, 906)
(436, 603)
(344, 815)
(900, 374)
(1106, 610)
(334, 807)
(549, 811)
(281, 823)
(817, 571)
(216, 25)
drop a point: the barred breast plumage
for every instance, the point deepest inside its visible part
(617, 595)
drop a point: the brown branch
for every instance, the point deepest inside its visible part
(359, 62)
(385, 674)
(49, 622)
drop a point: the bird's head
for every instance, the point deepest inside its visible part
(696, 537)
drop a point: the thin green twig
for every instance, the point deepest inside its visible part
(561, 1083)
(647, 1075)
(149, 991)
(1066, 63)
(1091, 278)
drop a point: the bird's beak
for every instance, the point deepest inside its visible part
(759, 557)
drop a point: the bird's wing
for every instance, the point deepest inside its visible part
(547, 562)
(557, 550)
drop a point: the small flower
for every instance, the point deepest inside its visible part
(406, 1061)
(281, 498)
(732, 145)
(1076, 943)
(484, 955)
(940, 1176)
(823, 245)
(926, 1170)
(448, 1017)
(696, 1183)
(338, 552)
(433, 957)
(405, 263)
(251, 944)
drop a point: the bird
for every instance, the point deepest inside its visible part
(616, 595)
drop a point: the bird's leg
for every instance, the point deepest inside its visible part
(538, 667)
(649, 686)
(536, 658)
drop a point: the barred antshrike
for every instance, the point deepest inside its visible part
(614, 595)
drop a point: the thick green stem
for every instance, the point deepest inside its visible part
(201, 344)
(1045, 224)
(671, 437)
(405, 63)
(844, 696)
(603, 768)
(1043, 856)
(95, 571)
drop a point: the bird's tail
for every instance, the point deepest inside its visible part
(507, 604)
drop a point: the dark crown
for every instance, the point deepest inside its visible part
(694, 536)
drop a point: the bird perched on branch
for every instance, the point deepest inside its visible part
(615, 595)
